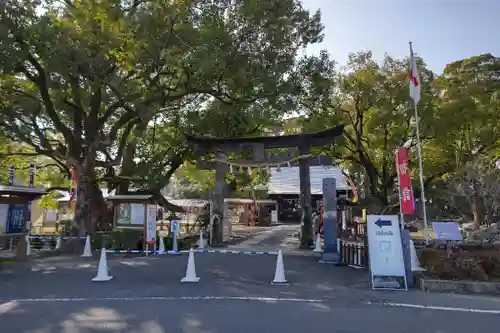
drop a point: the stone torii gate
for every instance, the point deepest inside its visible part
(258, 146)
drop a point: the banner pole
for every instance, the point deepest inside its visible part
(421, 171)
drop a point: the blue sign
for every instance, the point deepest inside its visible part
(174, 226)
(15, 219)
(330, 214)
(330, 222)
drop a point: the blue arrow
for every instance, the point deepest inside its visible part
(383, 223)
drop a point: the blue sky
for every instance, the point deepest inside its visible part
(441, 30)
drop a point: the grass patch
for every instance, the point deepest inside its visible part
(420, 235)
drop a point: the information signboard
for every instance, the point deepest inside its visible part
(274, 217)
(447, 231)
(151, 224)
(386, 252)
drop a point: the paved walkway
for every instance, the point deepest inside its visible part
(282, 237)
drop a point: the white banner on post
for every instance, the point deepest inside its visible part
(151, 224)
(4, 212)
(386, 252)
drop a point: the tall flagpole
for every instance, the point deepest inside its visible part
(420, 167)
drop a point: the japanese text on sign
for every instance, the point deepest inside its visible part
(151, 224)
(405, 190)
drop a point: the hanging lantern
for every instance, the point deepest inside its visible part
(231, 168)
(249, 171)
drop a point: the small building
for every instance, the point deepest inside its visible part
(192, 214)
(284, 187)
(248, 211)
(48, 220)
(14, 214)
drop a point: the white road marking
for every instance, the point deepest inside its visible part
(168, 298)
(434, 307)
(241, 298)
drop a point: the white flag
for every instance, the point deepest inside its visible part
(414, 79)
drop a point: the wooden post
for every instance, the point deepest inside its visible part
(218, 198)
(306, 239)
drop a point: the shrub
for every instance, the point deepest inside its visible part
(457, 263)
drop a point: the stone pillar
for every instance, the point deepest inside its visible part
(20, 252)
(405, 242)
(218, 198)
(330, 221)
(306, 239)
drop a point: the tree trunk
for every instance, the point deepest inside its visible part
(90, 204)
(477, 211)
(128, 164)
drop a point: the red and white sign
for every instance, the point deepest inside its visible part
(406, 199)
(151, 224)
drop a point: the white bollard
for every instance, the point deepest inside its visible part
(191, 269)
(317, 247)
(201, 241)
(58, 243)
(28, 246)
(279, 273)
(161, 249)
(415, 263)
(102, 269)
(87, 252)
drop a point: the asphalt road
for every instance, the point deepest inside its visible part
(229, 316)
(234, 294)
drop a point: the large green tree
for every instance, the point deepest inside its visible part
(458, 115)
(371, 100)
(468, 116)
(81, 81)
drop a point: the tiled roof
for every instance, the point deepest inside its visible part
(287, 181)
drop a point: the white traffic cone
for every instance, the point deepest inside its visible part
(87, 253)
(415, 264)
(102, 269)
(161, 249)
(191, 269)
(201, 241)
(28, 246)
(279, 274)
(317, 247)
(58, 243)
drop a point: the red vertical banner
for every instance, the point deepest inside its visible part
(405, 190)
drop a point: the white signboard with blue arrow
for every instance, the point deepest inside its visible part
(386, 252)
